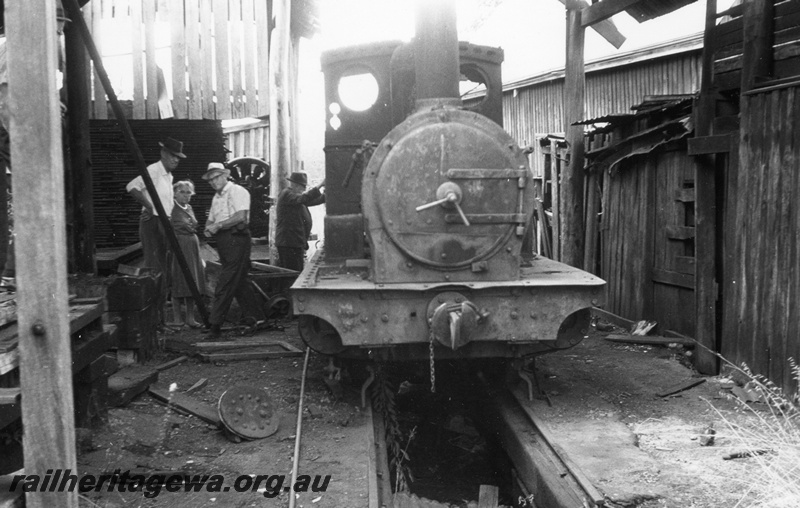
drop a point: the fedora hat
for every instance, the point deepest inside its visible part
(214, 169)
(173, 146)
(299, 177)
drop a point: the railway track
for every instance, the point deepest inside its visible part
(543, 473)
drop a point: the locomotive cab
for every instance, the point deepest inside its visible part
(428, 202)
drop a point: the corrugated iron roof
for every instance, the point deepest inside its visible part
(652, 104)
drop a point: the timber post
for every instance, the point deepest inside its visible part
(571, 202)
(42, 295)
(78, 106)
(705, 360)
(280, 126)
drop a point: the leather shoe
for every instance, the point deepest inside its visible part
(213, 333)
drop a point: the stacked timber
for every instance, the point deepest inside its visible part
(133, 306)
(90, 339)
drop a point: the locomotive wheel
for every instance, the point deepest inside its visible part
(251, 167)
(278, 306)
(319, 335)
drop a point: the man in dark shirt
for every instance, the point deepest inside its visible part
(294, 220)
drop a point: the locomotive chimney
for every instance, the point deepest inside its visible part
(436, 52)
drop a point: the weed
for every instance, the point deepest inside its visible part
(772, 443)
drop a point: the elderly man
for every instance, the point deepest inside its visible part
(151, 231)
(294, 220)
(228, 224)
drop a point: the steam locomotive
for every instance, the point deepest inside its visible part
(428, 211)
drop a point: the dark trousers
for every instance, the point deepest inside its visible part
(155, 252)
(154, 244)
(234, 256)
(292, 258)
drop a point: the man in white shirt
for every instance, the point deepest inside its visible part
(228, 224)
(151, 231)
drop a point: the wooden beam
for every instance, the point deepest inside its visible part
(606, 29)
(195, 68)
(181, 402)
(237, 67)
(705, 145)
(555, 195)
(42, 294)
(100, 105)
(151, 97)
(222, 59)
(262, 56)
(670, 278)
(77, 71)
(137, 60)
(537, 464)
(178, 49)
(649, 340)
(250, 59)
(705, 281)
(207, 48)
(757, 47)
(279, 100)
(488, 496)
(571, 199)
(603, 10)
(680, 232)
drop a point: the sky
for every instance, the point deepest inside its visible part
(531, 32)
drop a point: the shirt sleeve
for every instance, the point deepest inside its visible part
(137, 183)
(310, 197)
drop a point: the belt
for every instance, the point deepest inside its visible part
(237, 232)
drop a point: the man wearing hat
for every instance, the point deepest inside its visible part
(151, 232)
(228, 224)
(293, 225)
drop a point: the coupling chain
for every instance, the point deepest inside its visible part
(433, 371)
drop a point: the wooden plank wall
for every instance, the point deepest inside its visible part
(761, 323)
(251, 140)
(647, 265)
(672, 259)
(219, 56)
(729, 45)
(623, 239)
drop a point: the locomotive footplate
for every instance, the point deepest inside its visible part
(341, 312)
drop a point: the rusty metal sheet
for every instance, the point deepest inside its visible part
(542, 272)
(248, 412)
(406, 217)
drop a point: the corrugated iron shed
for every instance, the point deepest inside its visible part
(651, 105)
(659, 122)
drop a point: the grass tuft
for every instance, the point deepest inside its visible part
(772, 443)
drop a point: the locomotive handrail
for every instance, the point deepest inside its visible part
(475, 174)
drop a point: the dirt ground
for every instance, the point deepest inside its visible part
(599, 392)
(147, 437)
(639, 448)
